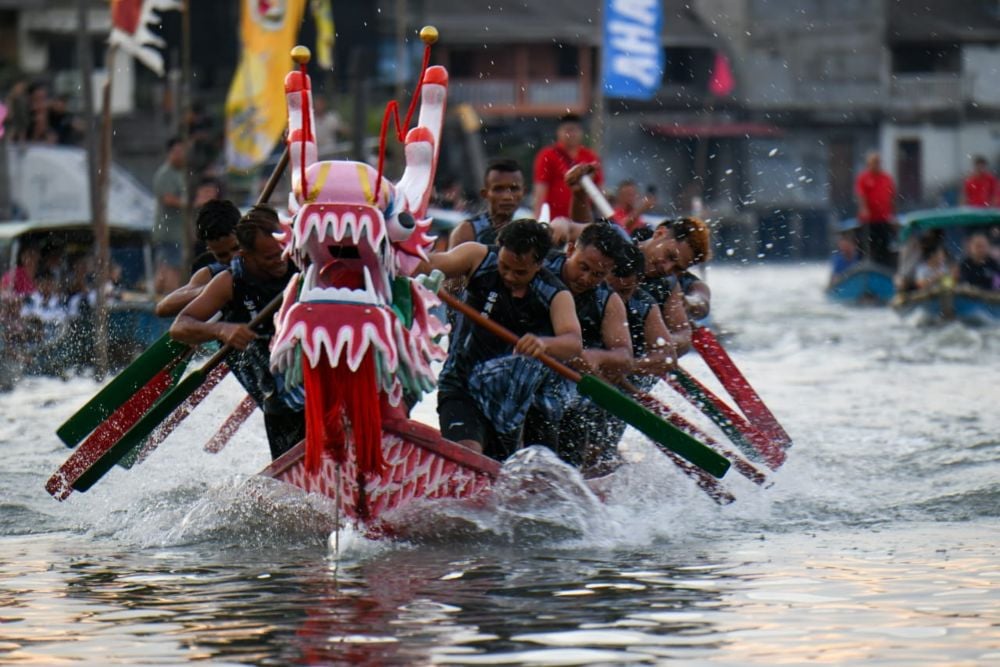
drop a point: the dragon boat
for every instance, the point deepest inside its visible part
(356, 329)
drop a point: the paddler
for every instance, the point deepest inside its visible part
(256, 277)
(487, 387)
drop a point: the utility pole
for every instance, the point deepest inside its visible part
(597, 124)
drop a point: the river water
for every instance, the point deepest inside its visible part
(877, 543)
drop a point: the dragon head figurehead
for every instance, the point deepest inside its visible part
(354, 328)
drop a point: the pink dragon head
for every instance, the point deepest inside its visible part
(356, 238)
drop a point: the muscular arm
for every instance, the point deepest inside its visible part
(461, 234)
(616, 355)
(172, 303)
(460, 262)
(567, 341)
(661, 352)
(698, 301)
(676, 319)
(192, 326)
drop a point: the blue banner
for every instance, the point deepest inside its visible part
(632, 55)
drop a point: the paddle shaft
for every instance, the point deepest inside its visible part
(610, 399)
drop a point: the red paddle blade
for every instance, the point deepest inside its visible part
(738, 387)
(60, 485)
(231, 425)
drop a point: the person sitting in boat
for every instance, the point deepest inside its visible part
(977, 268)
(654, 353)
(934, 268)
(20, 280)
(255, 277)
(216, 224)
(670, 251)
(503, 190)
(487, 386)
(845, 256)
(607, 345)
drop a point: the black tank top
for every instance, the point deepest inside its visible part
(661, 287)
(483, 229)
(471, 344)
(638, 307)
(252, 365)
(590, 305)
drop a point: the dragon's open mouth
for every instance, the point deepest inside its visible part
(349, 260)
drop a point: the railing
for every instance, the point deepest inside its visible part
(927, 91)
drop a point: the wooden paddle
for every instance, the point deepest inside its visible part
(744, 435)
(739, 388)
(657, 406)
(170, 401)
(122, 392)
(125, 392)
(612, 400)
(231, 425)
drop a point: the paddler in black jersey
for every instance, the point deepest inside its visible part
(256, 277)
(487, 387)
(503, 190)
(670, 250)
(607, 346)
(216, 227)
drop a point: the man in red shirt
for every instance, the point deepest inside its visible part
(876, 193)
(980, 188)
(552, 163)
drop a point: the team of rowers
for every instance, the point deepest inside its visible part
(608, 304)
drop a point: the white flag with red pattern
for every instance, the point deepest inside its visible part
(130, 21)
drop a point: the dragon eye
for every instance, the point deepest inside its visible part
(401, 226)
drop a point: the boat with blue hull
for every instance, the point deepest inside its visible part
(863, 284)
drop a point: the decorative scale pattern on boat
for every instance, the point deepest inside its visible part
(411, 473)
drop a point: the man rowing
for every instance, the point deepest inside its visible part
(216, 224)
(607, 347)
(257, 276)
(503, 190)
(487, 387)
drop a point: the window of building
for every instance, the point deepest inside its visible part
(926, 58)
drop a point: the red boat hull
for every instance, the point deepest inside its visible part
(419, 465)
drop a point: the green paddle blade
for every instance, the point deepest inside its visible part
(118, 391)
(134, 437)
(659, 431)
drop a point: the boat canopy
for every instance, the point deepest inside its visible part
(947, 218)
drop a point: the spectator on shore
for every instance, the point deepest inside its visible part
(552, 163)
(18, 111)
(40, 129)
(170, 190)
(977, 268)
(876, 192)
(981, 188)
(628, 208)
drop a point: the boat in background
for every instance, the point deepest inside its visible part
(865, 283)
(948, 301)
(69, 344)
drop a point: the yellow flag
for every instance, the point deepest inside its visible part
(322, 11)
(255, 106)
